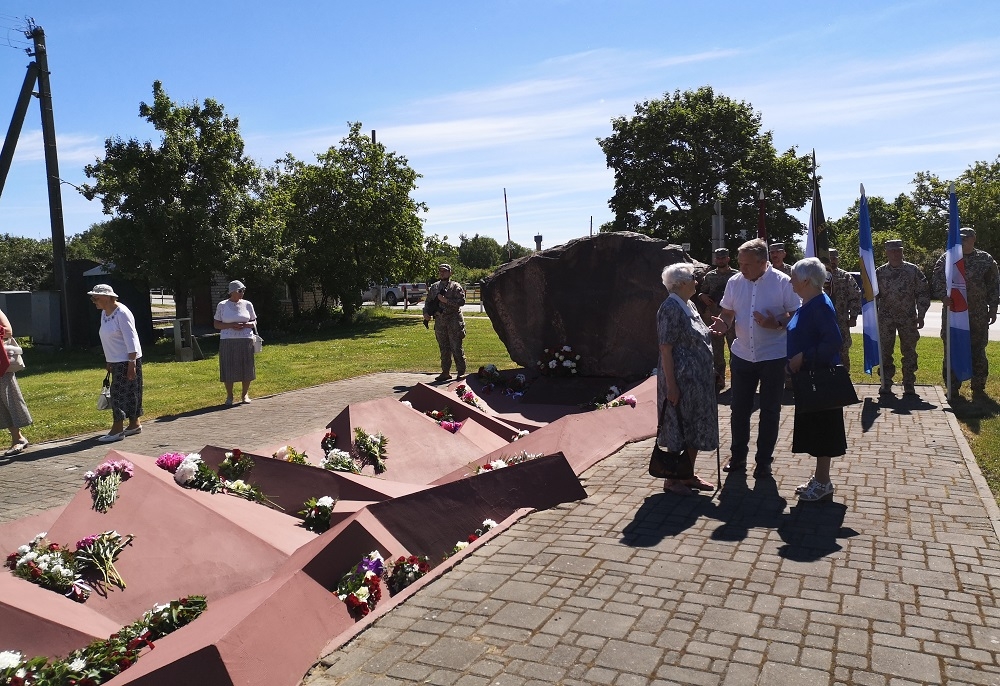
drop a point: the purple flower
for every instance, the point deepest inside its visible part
(86, 542)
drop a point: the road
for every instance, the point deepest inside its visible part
(932, 324)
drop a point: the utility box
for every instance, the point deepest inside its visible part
(186, 348)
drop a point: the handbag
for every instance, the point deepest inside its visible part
(823, 388)
(258, 342)
(14, 353)
(667, 464)
(104, 399)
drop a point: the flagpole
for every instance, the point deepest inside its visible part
(945, 308)
(506, 215)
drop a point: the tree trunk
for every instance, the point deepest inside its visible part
(293, 292)
(181, 292)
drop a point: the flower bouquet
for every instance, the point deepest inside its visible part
(405, 570)
(489, 374)
(194, 473)
(520, 434)
(317, 513)
(99, 552)
(248, 491)
(462, 545)
(50, 566)
(450, 426)
(501, 462)
(441, 415)
(290, 454)
(329, 442)
(371, 448)
(468, 397)
(629, 400)
(170, 461)
(559, 362)
(360, 588)
(236, 465)
(105, 480)
(337, 460)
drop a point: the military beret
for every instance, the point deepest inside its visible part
(445, 266)
(776, 246)
(895, 244)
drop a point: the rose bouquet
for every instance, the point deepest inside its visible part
(289, 454)
(371, 448)
(317, 513)
(559, 362)
(337, 460)
(629, 400)
(170, 461)
(50, 566)
(503, 461)
(450, 426)
(468, 397)
(99, 552)
(236, 465)
(405, 570)
(328, 442)
(360, 588)
(441, 415)
(462, 545)
(105, 480)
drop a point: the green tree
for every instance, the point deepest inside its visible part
(512, 251)
(351, 218)
(175, 206)
(25, 263)
(680, 154)
(88, 245)
(479, 252)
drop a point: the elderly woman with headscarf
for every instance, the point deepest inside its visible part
(685, 377)
(123, 355)
(236, 321)
(814, 341)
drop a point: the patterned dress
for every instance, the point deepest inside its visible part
(678, 325)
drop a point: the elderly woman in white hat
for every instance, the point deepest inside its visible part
(123, 354)
(236, 321)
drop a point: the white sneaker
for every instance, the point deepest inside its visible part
(816, 492)
(246, 398)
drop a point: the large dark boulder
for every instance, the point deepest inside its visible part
(597, 294)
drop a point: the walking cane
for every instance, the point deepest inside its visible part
(718, 469)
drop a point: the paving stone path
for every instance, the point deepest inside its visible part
(894, 583)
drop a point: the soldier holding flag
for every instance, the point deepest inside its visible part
(982, 283)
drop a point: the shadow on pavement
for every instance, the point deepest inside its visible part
(810, 531)
(663, 515)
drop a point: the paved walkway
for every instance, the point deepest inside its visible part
(895, 582)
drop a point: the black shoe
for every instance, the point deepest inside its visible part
(762, 471)
(735, 466)
(443, 377)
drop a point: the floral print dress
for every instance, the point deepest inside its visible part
(679, 325)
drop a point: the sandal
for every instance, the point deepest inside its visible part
(17, 448)
(699, 484)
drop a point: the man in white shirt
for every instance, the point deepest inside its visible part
(758, 302)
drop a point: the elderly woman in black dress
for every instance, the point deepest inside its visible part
(685, 378)
(814, 341)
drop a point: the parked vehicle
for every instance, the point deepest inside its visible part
(394, 294)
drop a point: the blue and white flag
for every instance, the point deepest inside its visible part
(959, 337)
(869, 288)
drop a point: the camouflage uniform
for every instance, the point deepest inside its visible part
(785, 268)
(903, 299)
(714, 286)
(449, 324)
(846, 297)
(982, 284)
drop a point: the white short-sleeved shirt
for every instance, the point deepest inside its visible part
(229, 312)
(119, 336)
(771, 294)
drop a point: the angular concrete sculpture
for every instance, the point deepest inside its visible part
(597, 294)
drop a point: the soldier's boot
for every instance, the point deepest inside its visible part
(908, 389)
(886, 387)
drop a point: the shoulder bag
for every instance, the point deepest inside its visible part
(823, 388)
(667, 464)
(14, 353)
(104, 399)
(258, 342)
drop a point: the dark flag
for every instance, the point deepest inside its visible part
(761, 228)
(817, 240)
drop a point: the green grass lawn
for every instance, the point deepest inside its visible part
(61, 389)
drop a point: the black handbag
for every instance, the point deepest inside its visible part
(667, 464)
(823, 388)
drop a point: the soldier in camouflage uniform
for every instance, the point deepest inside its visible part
(776, 254)
(982, 284)
(903, 299)
(713, 286)
(846, 297)
(449, 324)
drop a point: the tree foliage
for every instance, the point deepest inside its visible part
(350, 218)
(25, 263)
(175, 206)
(680, 154)
(480, 252)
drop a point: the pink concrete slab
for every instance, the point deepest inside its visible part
(20, 531)
(425, 398)
(289, 485)
(37, 621)
(186, 541)
(268, 635)
(418, 451)
(310, 444)
(450, 512)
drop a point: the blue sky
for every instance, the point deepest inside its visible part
(512, 94)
